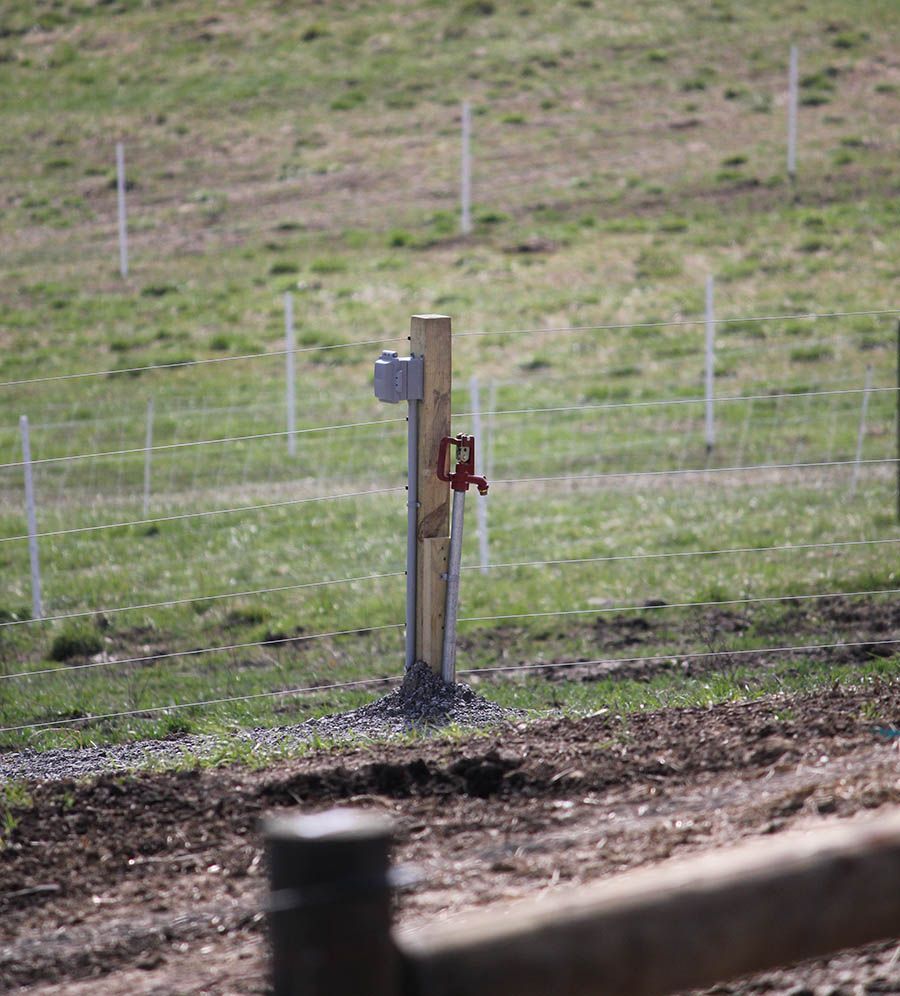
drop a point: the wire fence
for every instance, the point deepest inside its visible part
(339, 548)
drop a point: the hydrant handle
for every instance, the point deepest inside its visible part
(464, 473)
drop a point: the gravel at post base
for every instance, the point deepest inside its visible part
(154, 883)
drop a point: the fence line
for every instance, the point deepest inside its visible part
(203, 442)
(196, 652)
(605, 406)
(495, 618)
(203, 702)
(620, 326)
(615, 405)
(178, 364)
(198, 411)
(699, 655)
(680, 605)
(695, 470)
(196, 515)
(469, 671)
(682, 553)
(167, 603)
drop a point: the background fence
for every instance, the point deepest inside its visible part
(253, 573)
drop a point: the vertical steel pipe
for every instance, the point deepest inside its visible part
(454, 559)
(412, 505)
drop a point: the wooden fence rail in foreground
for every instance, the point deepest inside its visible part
(688, 923)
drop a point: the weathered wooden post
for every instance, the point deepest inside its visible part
(430, 339)
(330, 905)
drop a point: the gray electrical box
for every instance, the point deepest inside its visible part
(398, 378)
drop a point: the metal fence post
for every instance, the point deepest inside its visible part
(466, 171)
(710, 371)
(290, 351)
(120, 199)
(861, 434)
(330, 905)
(481, 506)
(37, 607)
(793, 89)
(148, 456)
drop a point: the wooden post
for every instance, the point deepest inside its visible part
(683, 925)
(430, 339)
(330, 905)
(897, 440)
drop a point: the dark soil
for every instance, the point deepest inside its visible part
(154, 883)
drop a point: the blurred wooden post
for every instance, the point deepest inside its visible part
(683, 925)
(430, 339)
(330, 905)
(898, 420)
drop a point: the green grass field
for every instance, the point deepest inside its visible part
(621, 153)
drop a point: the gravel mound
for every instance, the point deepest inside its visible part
(421, 703)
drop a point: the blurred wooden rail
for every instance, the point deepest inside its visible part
(687, 923)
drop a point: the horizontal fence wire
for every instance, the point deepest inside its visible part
(697, 470)
(183, 364)
(170, 655)
(681, 322)
(152, 710)
(143, 450)
(681, 553)
(676, 323)
(195, 515)
(654, 607)
(465, 619)
(662, 402)
(698, 655)
(497, 669)
(170, 602)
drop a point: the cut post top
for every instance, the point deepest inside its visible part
(334, 824)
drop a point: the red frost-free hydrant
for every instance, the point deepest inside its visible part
(460, 479)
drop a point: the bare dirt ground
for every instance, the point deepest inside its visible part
(155, 883)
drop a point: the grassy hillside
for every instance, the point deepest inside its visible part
(621, 153)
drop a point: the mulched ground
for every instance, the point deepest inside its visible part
(155, 883)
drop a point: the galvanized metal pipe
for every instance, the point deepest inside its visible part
(454, 558)
(412, 505)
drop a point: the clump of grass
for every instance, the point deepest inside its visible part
(245, 615)
(282, 268)
(158, 290)
(811, 354)
(328, 264)
(654, 264)
(75, 641)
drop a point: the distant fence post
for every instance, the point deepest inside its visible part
(466, 170)
(710, 364)
(289, 358)
(860, 436)
(37, 608)
(430, 339)
(148, 456)
(330, 905)
(793, 96)
(123, 225)
(488, 448)
(481, 511)
(897, 431)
